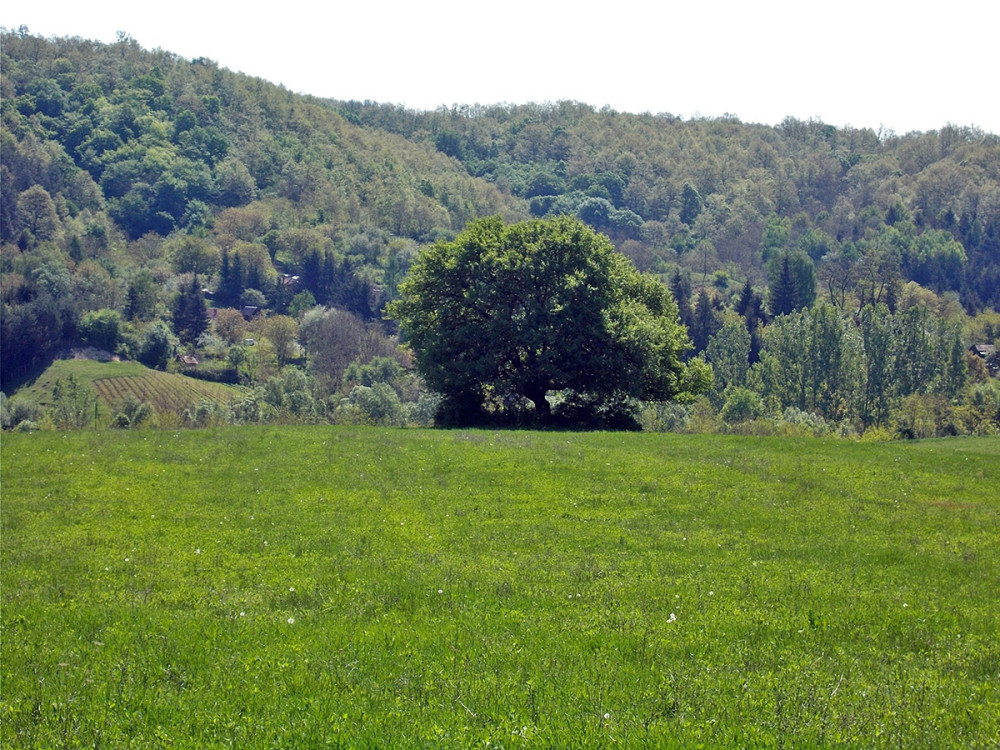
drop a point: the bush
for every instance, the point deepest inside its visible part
(17, 411)
(131, 413)
(742, 405)
(378, 404)
(797, 422)
(215, 373)
(157, 345)
(664, 417)
(101, 329)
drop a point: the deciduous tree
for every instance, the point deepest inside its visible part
(507, 314)
(282, 331)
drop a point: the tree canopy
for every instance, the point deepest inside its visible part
(507, 316)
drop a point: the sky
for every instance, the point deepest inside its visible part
(881, 64)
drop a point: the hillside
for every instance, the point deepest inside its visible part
(119, 162)
(717, 194)
(112, 384)
(133, 182)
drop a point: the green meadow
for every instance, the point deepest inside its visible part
(286, 587)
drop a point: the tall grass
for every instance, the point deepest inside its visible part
(332, 587)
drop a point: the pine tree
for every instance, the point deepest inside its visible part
(746, 300)
(705, 323)
(680, 287)
(230, 280)
(190, 312)
(691, 204)
(784, 293)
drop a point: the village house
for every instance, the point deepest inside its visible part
(987, 352)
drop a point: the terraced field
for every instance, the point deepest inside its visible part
(114, 381)
(165, 391)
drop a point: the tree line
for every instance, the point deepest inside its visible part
(139, 191)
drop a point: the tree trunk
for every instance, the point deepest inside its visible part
(536, 394)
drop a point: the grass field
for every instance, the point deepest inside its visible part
(344, 587)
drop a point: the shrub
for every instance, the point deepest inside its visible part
(742, 405)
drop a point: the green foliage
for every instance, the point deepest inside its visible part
(741, 405)
(512, 312)
(376, 404)
(728, 352)
(792, 283)
(73, 404)
(102, 329)
(123, 168)
(193, 254)
(141, 297)
(18, 413)
(333, 339)
(300, 304)
(157, 345)
(378, 370)
(282, 331)
(691, 204)
(292, 397)
(131, 413)
(176, 588)
(190, 313)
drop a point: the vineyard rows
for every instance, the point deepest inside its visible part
(164, 391)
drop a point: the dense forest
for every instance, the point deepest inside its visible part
(153, 206)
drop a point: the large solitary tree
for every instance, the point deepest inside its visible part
(505, 317)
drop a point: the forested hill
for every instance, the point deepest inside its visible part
(129, 175)
(721, 194)
(121, 164)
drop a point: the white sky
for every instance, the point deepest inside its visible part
(868, 63)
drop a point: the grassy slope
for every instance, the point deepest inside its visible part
(300, 586)
(113, 381)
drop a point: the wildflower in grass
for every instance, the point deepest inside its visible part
(672, 618)
(440, 591)
(291, 620)
(197, 551)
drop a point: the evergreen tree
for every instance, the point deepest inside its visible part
(190, 316)
(784, 292)
(744, 303)
(680, 286)
(691, 204)
(230, 280)
(140, 301)
(312, 268)
(705, 322)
